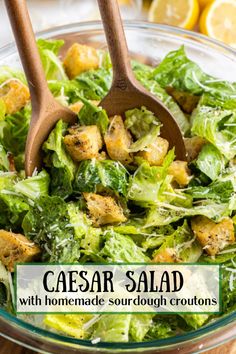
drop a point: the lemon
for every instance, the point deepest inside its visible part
(182, 13)
(218, 21)
(204, 3)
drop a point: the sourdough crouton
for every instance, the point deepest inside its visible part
(213, 236)
(193, 147)
(156, 152)
(83, 142)
(168, 255)
(80, 58)
(118, 141)
(180, 172)
(103, 209)
(185, 100)
(76, 107)
(15, 248)
(15, 95)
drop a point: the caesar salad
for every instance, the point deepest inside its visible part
(111, 190)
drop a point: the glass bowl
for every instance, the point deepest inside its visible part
(148, 43)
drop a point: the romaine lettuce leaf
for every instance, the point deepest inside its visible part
(4, 162)
(229, 285)
(7, 73)
(227, 259)
(62, 167)
(140, 324)
(183, 242)
(110, 174)
(93, 115)
(218, 127)
(149, 184)
(13, 205)
(140, 121)
(49, 50)
(13, 132)
(121, 248)
(224, 256)
(220, 191)
(94, 84)
(35, 186)
(163, 327)
(165, 214)
(112, 328)
(178, 71)
(155, 236)
(210, 161)
(146, 140)
(49, 224)
(152, 86)
(71, 324)
(92, 241)
(195, 320)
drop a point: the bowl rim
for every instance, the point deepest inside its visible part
(10, 47)
(229, 319)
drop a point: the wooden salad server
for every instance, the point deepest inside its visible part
(126, 92)
(46, 111)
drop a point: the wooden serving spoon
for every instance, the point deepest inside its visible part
(46, 111)
(126, 92)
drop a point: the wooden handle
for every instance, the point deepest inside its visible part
(112, 23)
(27, 47)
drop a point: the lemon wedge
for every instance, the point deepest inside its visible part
(218, 21)
(182, 13)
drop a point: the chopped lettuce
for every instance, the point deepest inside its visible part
(163, 327)
(165, 214)
(121, 248)
(220, 191)
(210, 161)
(146, 140)
(182, 241)
(227, 259)
(195, 320)
(49, 50)
(93, 174)
(92, 241)
(229, 285)
(149, 184)
(94, 84)
(140, 121)
(178, 71)
(152, 86)
(4, 162)
(34, 187)
(156, 236)
(62, 167)
(13, 133)
(7, 73)
(13, 205)
(218, 127)
(93, 115)
(112, 328)
(49, 224)
(70, 324)
(139, 326)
